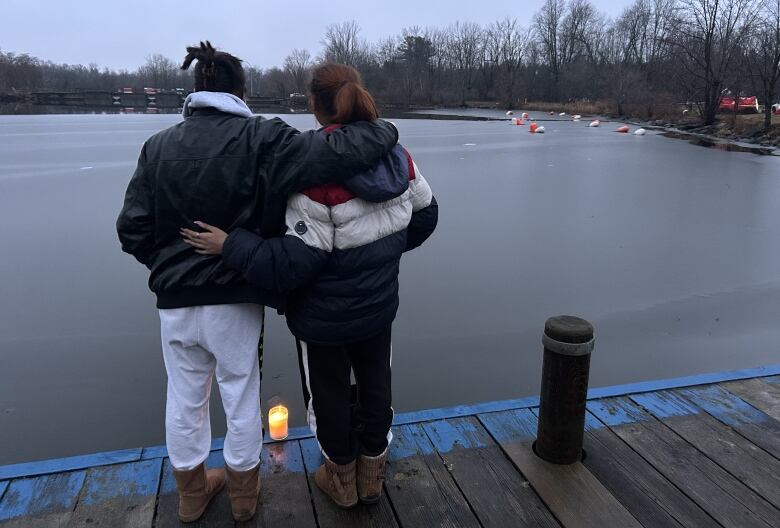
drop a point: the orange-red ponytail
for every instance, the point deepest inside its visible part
(337, 91)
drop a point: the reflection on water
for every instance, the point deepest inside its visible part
(670, 250)
(35, 109)
(30, 109)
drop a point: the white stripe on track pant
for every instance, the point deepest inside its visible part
(199, 342)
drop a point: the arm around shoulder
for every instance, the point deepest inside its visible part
(278, 264)
(305, 159)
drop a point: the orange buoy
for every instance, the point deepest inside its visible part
(533, 127)
(521, 122)
(623, 129)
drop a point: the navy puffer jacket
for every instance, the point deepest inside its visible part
(341, 254)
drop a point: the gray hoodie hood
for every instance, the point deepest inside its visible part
(222, 101)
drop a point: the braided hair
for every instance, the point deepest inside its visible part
(216, 71)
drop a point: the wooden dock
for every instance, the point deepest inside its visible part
(698, 451)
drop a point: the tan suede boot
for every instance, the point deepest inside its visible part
(370, 477)
(338, 482)
(243, 490)
(196, 489)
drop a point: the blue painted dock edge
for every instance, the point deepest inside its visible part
(44, 467)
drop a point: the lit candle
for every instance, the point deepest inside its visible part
(277, 422)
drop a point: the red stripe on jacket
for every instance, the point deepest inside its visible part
(332, 194)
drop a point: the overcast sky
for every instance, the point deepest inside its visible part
(262, 32)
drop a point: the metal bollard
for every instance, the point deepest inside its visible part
(568, 343)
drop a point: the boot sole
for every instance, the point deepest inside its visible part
(342, 505)
(244, 518)
(370, 500)
(248, 516)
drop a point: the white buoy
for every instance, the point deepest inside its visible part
(640, 132)
(525, 115)
(562, 114)
(594, 123)
(540, 130)
(510, 113)
(576, 117)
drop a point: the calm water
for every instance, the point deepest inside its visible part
(671, 250)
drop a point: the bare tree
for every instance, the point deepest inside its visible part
(490, 54)
(297, 65)
(159, 71)
(464, 50)
(20, 72)
(438, 62)
(763, 53)
(707, 37)
(512, 45)
(652, 20)
(547, 26)
(618, 56)
(344, 44)
(577, 31)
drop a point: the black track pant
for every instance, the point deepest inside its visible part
(348, 422)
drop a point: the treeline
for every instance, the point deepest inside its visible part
(655, 54)
(25, 73)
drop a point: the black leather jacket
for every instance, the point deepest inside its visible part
(231, 172)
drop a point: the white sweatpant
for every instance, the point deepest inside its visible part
(198, 342)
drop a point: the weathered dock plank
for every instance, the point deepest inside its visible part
(750, 422)
(41, 501)
(496, 491)
(284, 496)
(59, 465)
(749, 464)
(119, 496)
(573, 494)
(727, 500)
(644, 492)
(662, 454)
(758, 393)
(218, 513)
(328, 515)
(420, 488)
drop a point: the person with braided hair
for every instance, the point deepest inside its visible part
(228, 167)
(340, 262)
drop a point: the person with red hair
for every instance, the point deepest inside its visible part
(339, 260)
(211, 319)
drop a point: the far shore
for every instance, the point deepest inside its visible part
(742, 128)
